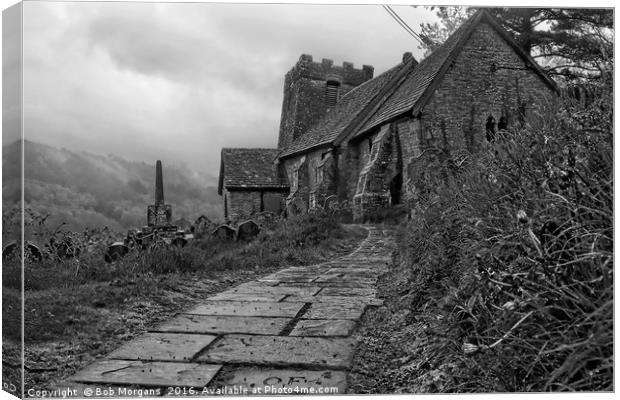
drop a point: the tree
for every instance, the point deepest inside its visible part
(570, 44)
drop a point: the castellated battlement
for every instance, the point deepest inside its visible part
(310, 89)
(324, 70)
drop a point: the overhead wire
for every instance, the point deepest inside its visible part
(402, 23)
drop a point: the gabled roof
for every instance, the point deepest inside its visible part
(354, 103)
(249, 169)
(403, 89)
(417, 88)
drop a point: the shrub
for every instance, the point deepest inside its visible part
(512, 256)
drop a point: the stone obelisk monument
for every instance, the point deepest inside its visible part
(159, 214)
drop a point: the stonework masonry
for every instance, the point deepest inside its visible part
(243, 204)
(305, 87)
(445, 104)
(487, 79)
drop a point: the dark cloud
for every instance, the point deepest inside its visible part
(181, 80)
(11, 74)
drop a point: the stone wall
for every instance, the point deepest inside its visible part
(243, 204)
(378, 182)
(312, 178)
(305, 86)
(487, 79)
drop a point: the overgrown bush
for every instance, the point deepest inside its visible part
(510, 254)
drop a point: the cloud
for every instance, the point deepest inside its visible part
(181, 80)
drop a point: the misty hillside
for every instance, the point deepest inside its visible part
(90, 190)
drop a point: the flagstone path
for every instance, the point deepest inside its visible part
(285, 333)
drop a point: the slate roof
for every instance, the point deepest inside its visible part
(397, 91)
(249, 169)
(420, 84)
(343, 114)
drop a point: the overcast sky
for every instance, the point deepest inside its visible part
(178, 81)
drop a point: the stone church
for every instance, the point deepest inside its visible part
(346, 135)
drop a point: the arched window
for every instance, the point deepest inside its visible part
(502, 125)
(490, 126)
(331, 93)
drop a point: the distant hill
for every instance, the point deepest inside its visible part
(90, 190)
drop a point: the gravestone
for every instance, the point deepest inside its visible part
(202, 225)
(224, 232)
(247, 230)
(13, 250)
(116, 251)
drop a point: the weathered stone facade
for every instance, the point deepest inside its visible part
(370, 147)
(310, 89)
(243, 204)
(251, 182)
(488, 79)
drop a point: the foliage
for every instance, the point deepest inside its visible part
(568, 43)
(511, 259)
(299, 239)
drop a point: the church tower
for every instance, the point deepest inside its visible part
(311, 89)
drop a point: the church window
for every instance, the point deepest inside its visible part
(331, 93)
(522, 112)
(502, 125)
(490, 127)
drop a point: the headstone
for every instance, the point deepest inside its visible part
(247, 230)
(31, 251)
(116, 251)
(224, 232)
(202, 224)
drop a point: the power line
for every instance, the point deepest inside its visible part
(402, 23)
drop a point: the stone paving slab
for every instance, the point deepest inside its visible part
(288, 279)
(256, 288)
(247, 308)
(352, 311)
(345, 291)
(368, 300)
(347, 284)
(290, 328)
(224, 324)
(323, 327)
(269, 380)
(163, 347)
(119, 372)
(282, 351)
(270, 297)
